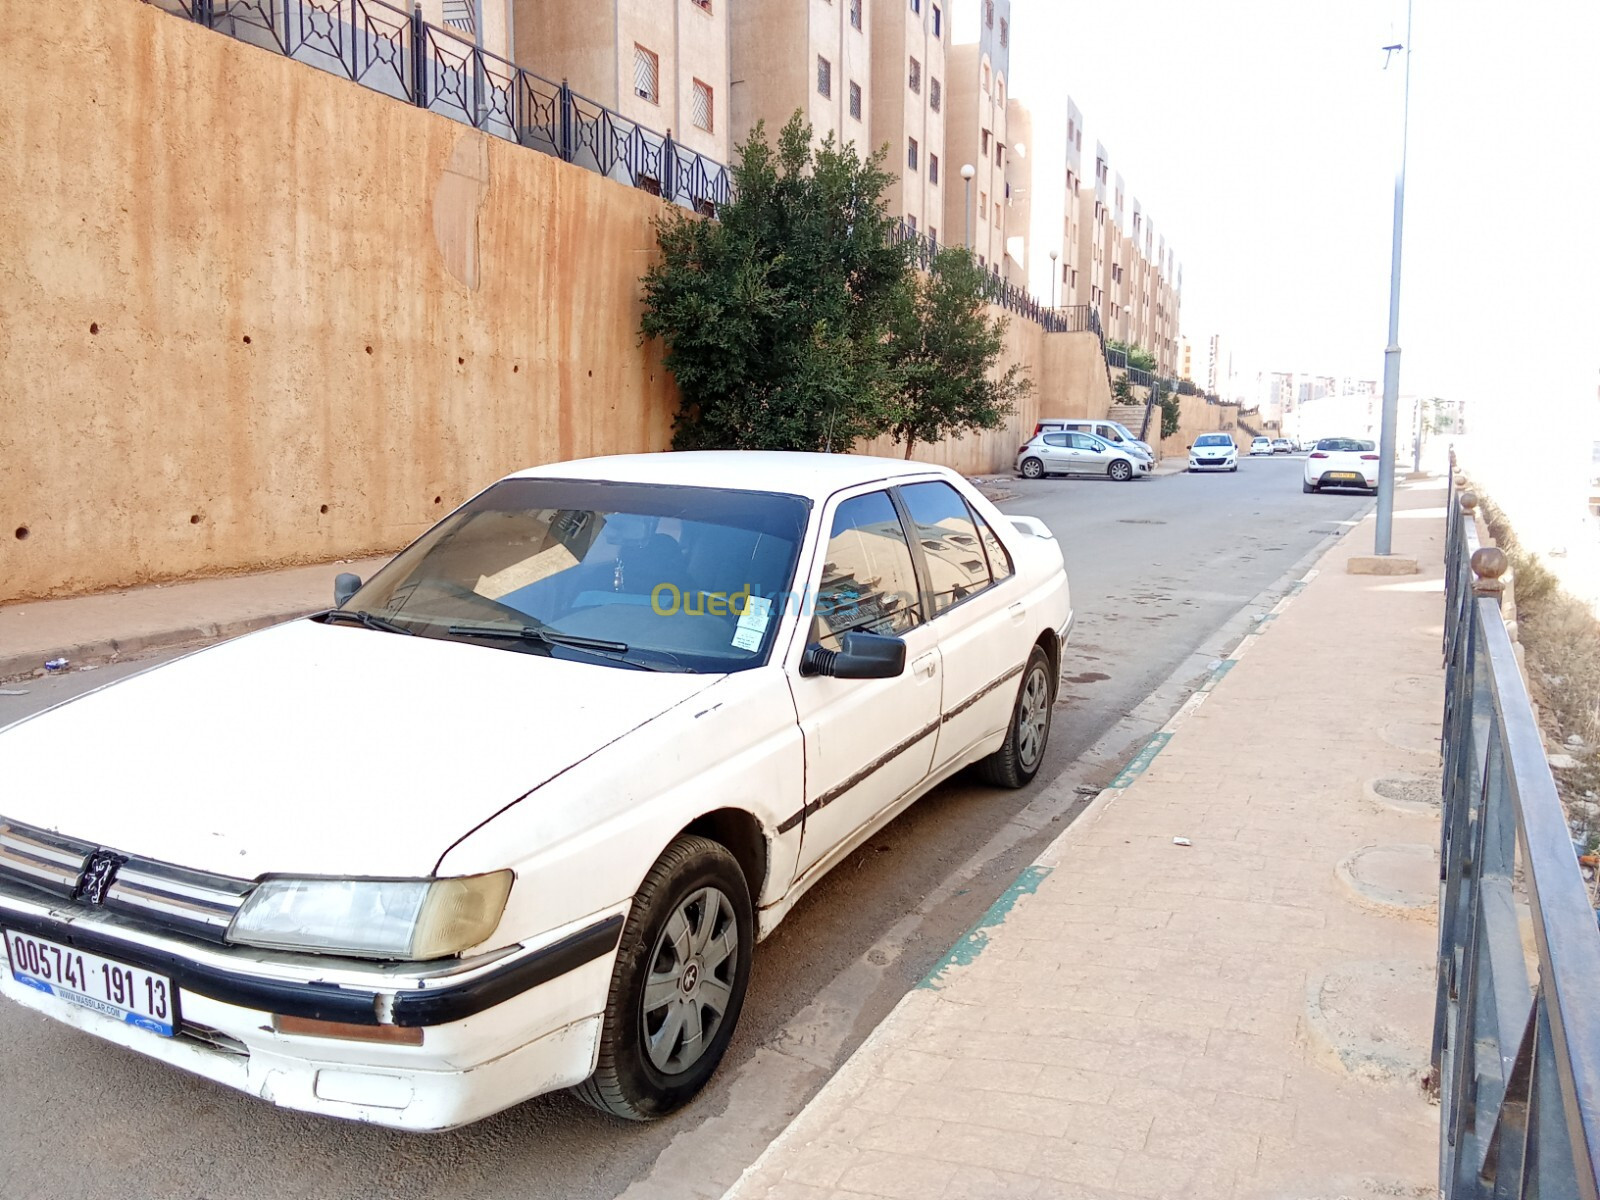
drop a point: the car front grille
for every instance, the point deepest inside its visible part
(195, 903)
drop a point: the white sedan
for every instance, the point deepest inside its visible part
(512, 816)
(1340, 462)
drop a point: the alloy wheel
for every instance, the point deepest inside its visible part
(1033, 719)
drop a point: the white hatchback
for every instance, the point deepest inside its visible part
(1261, 445)
(513, 815)
(1214, 452)
(1340, 462)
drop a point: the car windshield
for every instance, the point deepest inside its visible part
(1213, 439)
(637, 575)
(1350, 444)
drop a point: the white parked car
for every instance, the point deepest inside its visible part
(1339, 462)
(1118, 434)
(512, 817)
(1067, 453)
(1260, 445)
(1214, 452)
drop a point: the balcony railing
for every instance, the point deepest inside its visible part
(399, 54)
(1516, 1043)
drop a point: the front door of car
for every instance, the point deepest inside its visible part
(974, 605)
(1089, 456)
(867, 741)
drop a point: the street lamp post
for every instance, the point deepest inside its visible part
(1053, 277)
(967, 172)
(1391, 352)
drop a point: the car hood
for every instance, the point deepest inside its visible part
(318, 749)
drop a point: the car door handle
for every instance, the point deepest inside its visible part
(1018, 611)
(925, 666)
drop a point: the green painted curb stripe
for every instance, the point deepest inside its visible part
(965, 952)
(1223, 668)
(1142, 760)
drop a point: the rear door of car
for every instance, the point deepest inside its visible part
(972, 598)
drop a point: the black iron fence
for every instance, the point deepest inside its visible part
(1516, 1043)
(1077, 318)
(396, 52)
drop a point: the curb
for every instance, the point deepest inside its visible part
(99, 652)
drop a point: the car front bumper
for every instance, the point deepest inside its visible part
(494, 1030)
(1213, 464)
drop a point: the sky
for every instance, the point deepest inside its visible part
(1262, 139)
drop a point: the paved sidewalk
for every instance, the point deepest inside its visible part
(112, 625)
(1244, 1016)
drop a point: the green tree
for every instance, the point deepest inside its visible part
(1122, 391)
(776, 317)
(1138, 359)
(944, 351)
(1171, 409)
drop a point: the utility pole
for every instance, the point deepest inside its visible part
(1391, 353)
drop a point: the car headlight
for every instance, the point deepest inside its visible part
(407, 919)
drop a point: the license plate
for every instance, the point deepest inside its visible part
(131, 995)
(1343, 475)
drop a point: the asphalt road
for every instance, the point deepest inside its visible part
(1166, 574)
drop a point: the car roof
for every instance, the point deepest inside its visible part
(794, 472)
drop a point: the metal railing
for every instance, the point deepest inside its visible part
(1077, 318)
(399, 54)
(1516, 1051)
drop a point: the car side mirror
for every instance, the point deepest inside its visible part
(859, 656)
(345, 586)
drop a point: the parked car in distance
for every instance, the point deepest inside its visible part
(1260, 445)
(1339, 462)
(1214, 452)
(512, 817)
(1282, 446)
(1114, 432)
(1068, 453)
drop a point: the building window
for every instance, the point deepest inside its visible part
(983, 206)
(938, 22)
(1000, 90)
(999, 154)
(935, 95)
(933, 234)
(824, 77)
(986, 88)
(702, 4)
(988, 13)
(997, 212)
(855, 14)
(986, 143)
(855, 101)
(933, 168)
(915, 77)
(911, 154)
(646, 74)
(911, 224)
(1005, 30)
(704, 111)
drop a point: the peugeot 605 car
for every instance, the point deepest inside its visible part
(512, 816)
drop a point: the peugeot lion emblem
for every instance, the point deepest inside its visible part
(99, 872)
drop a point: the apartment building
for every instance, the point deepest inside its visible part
(662, 63)
(908, 102)
(810, 55)
(1093, 224)
(1068, 287)
(978, 68)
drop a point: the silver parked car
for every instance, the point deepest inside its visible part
(1067, 453)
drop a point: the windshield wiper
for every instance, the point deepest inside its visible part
(536, 633)
(361, 617)
(545, 636)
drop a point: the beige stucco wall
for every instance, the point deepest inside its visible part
(258, 315)
(255, 315)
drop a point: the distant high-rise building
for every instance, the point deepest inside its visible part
(910, 80)
(786, 55)
(978, 64)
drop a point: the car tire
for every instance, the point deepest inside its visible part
(698, 883)
(1307, 488)
(1233, 470)
(1032, 468)
(1121, 470)
(1022, 753)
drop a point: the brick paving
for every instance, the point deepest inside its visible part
(1232, 1018)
